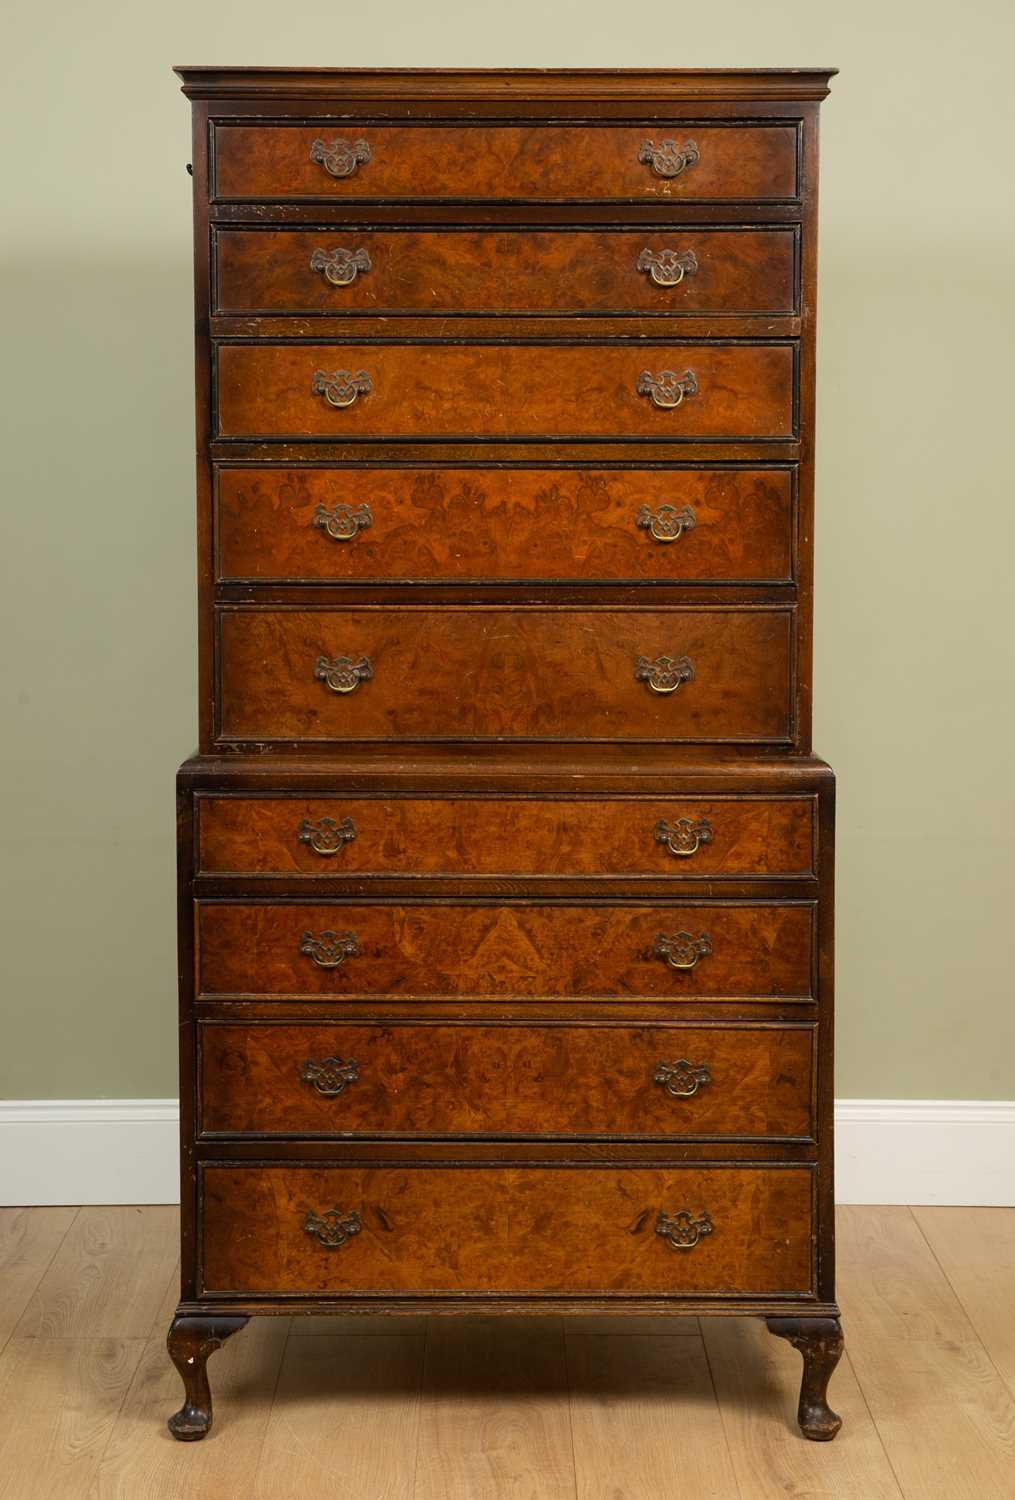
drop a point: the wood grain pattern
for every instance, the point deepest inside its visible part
(142, 1461)
(60, 1397)
(488, 672)
(517, 1080)
(488, 162)
(503, 271)
(745, 391)
(975, 1248)
(944, 1415)
(506, 1229)
(367, 1448)
(434, 525)
(645, 1419)
(498, 951)
(756, 1382)
(416, 836)
(29, 1239)
(494, 1404)
(494, 1420)
(109, 1276)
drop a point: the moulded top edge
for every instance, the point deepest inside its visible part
(733, 84)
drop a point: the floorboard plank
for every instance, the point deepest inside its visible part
(945, 1417)
(757, 1381)
(495, 1423)
(144, 1462)
(645, 1420)
(29, 1239)
(344, 1421)
(109, 1276)
(60, 1399)
(976, 1250)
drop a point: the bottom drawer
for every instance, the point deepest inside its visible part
(436, 1229)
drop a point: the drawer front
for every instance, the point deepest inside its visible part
(431, 1229)
(358, 951)
(352, 160)
(715, 392)
(450, 673)
(534, 1080)
(355, 525)
(674, 837)
(351, 270)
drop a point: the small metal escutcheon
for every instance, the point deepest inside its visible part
(668, 159)
(343, 522)
(682, 1230)
(340, 267)
(341, 673)
(682, 1079)
(330, 949)
(331, 1076)
(341, 158)
(682, 837)
(332, 1228)
(326, 836)
(667, 524)
(667, 389)
(665, 674)
(340, 388)
(667, 267)
(682, 950)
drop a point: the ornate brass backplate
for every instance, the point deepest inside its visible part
(333, 1228)
(682, 1230)
(682, 1079)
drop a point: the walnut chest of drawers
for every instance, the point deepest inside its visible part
(505, 865)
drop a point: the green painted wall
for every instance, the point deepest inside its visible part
(914, 658)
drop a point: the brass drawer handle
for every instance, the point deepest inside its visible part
(681, 1079)
(667, 267)
(333, 1228)
(682, 950)
(682, 1230)
(340, 389)
(667, 524)
(330, 1077)
(682, 837)
(341, 673)
(341, 267)
(330, 949)
(667, 389)
(342, 522)
(341, 158)
(668, 159)
(326, 836)
(665, 674)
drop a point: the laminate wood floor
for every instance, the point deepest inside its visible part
(507, 1409)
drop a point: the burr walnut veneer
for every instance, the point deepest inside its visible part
(505, 866)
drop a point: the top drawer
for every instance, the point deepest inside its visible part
(357, 160)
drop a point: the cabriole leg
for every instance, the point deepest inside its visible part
(191, 1340)
(820, 1342)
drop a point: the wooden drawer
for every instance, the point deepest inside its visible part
(665, 271)
(432, 391)
(522, 1229)
(676, 837)
(362, 525)
(536, 1080)
(349, 159)
(490, 672)
(524, 951)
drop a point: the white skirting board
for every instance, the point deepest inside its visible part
(957, 1151)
